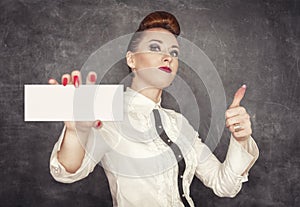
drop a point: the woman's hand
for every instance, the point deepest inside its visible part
(237, 118)
(75, 79)
(72, 150)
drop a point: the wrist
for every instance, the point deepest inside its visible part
(243, 141)
(78, 133)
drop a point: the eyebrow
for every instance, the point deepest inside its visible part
(155, 40)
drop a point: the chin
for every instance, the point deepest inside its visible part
(154, 78)
(161, 84)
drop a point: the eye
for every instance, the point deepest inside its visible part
(154, 47)
(174, 53)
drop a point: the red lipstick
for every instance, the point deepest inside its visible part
(166, 69)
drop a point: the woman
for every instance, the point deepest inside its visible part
(150, 158)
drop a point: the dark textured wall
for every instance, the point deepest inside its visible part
(252, 42)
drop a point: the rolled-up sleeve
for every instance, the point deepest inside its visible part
(58, 171)
(226, 178)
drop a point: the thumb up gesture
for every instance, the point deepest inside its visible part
(237, 118)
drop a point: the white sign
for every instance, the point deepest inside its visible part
(67, 103)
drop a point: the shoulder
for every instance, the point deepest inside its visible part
(181, 121)
(176, 116)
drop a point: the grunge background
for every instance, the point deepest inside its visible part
(252, 42)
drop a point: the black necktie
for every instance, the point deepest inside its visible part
(177, 153)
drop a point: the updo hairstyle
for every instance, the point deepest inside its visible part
(157, 19)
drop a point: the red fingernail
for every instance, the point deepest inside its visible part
(65, 81)
(93, 78)
(99, 124)
(76, 81)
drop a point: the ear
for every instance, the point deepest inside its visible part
(130, 59)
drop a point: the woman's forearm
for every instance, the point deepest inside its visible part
(72, 150)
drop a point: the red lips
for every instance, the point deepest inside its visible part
(166, 69)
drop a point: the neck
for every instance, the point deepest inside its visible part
(150, 92)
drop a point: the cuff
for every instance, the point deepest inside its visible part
(240, 159)
(59, 172)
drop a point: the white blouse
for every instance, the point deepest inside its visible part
(142, 170)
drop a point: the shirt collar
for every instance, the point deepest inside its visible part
(137, 102)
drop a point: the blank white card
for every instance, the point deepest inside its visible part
(67, 103)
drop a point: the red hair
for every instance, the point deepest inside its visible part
(157, 19)
(160, 19)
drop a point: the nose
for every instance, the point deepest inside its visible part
(167, 58)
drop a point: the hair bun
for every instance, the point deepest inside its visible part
(160, 19)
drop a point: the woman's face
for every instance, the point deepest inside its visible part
(155, 61)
